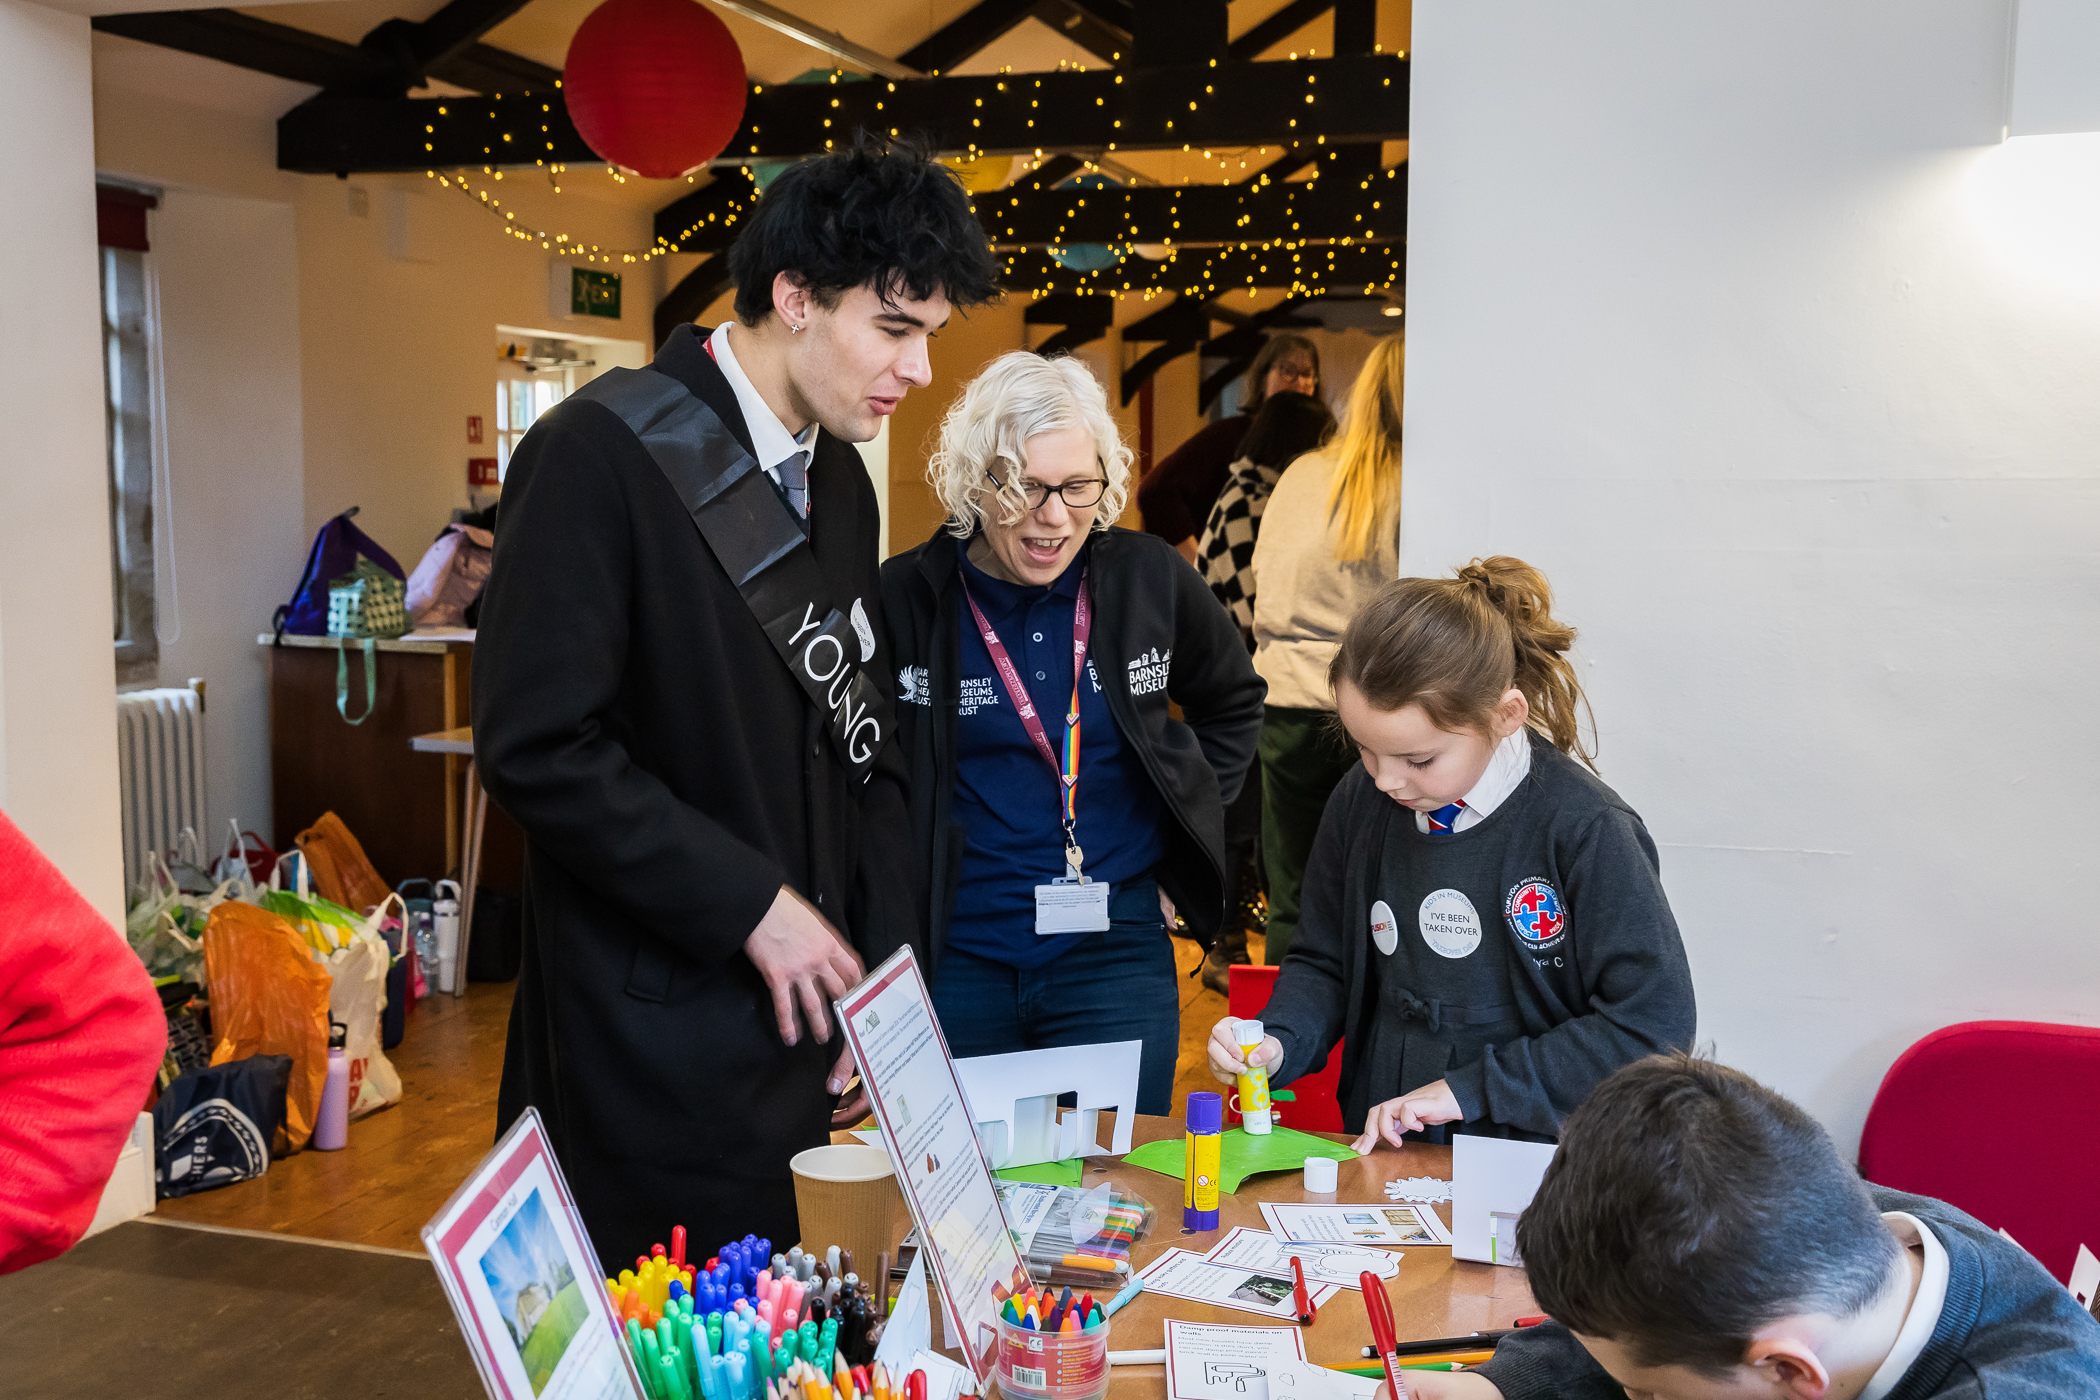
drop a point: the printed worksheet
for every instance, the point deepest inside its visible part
(1381, 1226)
(1208, 1361)
(1342, 1265)
(1178, 1273)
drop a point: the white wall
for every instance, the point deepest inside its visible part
(1717, 314)
(229, 304)
(58, 734)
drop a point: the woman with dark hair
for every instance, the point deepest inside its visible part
(1176, 495)
(1288, 426)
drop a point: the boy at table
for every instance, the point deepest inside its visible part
(1697, 1237)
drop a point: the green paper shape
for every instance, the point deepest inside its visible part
(1065, 1173)
(1283, 1096)
(1242, 1154)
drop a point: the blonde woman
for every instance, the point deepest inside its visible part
(1025, 588)
(1329, 539)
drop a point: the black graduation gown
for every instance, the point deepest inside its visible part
(631, 716)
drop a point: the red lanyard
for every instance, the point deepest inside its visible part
(1067, 767)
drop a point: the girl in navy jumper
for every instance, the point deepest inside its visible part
(1484, 926)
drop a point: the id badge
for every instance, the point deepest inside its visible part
(1066, 906)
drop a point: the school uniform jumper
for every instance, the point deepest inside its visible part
(633, 718)
(1521, 960)
(2002, 1328)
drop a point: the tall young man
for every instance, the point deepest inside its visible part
(1698, 1238)
(681, 695)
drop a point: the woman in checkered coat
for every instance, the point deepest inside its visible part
(1288, 426)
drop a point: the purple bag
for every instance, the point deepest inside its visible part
(335, 553)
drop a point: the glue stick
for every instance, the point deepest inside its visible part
(1253, 1081)
(1199, 1162)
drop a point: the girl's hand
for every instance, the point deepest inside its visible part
(1410, 1113)
(1225, 1061)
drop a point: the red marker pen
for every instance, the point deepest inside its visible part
(1298, 1293)
(1380, 1311)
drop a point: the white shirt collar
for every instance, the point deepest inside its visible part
(1924, 1314)
(771, 442)
(1507, 767)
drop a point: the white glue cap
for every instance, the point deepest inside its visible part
(1321, 1175)
(1251, 1034)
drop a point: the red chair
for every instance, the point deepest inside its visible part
(2000, 1118)
(1313, 1107)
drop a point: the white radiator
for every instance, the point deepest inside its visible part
(160, 755)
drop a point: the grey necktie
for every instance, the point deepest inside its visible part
(794, 479)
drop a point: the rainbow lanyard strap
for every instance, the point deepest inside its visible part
(1067, 768)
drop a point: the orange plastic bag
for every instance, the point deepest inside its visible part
(341, 871)
(269, 997)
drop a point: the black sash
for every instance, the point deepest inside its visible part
(758, 541)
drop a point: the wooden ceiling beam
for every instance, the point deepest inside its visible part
(1309, 102)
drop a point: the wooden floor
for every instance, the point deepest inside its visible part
(404, 1162)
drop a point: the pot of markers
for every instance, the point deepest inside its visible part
(1053, 1346)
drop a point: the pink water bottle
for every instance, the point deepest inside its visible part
(332, 1124)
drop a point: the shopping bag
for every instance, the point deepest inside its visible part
(367, 602)
(246, 854)
(357, 999)
(269, 997)
(450, 576)
(213, 1127)
(341, 871)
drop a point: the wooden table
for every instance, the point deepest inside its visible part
(402, 801)
(458, 742)
(1432, 1296)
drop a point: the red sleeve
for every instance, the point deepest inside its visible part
(1176, 495)
(81, 1036)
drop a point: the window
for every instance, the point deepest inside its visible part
(522, 395)
(127, 330)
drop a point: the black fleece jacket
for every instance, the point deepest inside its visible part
(1151, 610)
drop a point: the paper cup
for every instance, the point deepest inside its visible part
(1321, 1175)
(846, 1195)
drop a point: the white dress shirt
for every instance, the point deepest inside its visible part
(1507, 767)
(1924, 1314)
(771, 442)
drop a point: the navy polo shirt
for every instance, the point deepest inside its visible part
(1006, 797)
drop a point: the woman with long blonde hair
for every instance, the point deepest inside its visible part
(1329, 539)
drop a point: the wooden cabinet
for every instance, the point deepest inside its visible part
(403, 806)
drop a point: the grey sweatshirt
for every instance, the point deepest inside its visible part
(2007, 1330)
(1530, 956)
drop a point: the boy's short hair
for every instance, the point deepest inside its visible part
(884, 214)
(1688, 1207)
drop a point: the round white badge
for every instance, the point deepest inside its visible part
(1449, 924)
(1385, 929)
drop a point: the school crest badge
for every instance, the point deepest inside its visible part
(1536, 913)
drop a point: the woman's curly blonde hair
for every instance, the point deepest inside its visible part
(1016, 397)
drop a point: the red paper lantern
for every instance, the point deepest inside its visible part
(654, 86)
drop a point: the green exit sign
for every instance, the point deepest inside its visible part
(593, 293)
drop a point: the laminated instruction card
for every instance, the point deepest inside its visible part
(1342, 1265)
(1212, 1361)
(523, 1279)
(941, 1167)
(1178, 1273)
(1382, 1226)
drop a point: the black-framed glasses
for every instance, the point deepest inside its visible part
(1078, 494)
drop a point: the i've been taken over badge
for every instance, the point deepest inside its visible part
(1450, 924)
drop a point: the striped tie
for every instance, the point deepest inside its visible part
(1444, 820)
(794, 479)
